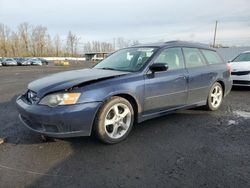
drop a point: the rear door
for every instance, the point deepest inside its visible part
(200, 76)
(168, 89)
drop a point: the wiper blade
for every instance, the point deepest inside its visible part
(107, 68)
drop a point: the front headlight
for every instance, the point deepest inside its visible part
(56, 99)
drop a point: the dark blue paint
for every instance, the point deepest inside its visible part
(155, 94)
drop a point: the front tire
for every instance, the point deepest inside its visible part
(215, 97)
(114, 120)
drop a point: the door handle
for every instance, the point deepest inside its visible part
(182, 77)
(185, 77)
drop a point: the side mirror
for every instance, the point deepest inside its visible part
(158, 67)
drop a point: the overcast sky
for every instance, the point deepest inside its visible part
(143, 20)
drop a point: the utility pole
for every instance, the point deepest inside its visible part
(215, 31)
(114, 43)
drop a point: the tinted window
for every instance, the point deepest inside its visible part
(172, 57)
(212, 57)
(242, 57)
(193, 57)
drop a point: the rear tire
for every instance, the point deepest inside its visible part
(215, 97)
(114, 120)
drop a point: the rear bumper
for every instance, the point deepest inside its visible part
(62, 121)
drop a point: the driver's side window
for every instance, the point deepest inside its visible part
(172, 57)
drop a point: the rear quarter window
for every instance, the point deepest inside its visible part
(212, 57)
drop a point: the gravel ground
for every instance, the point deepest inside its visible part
(191, 148)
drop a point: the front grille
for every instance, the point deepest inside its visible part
(241, 82)
(241, 73)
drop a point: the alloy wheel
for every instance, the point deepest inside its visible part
(117, 120)
(216, 96)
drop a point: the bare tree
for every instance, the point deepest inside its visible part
(49, 47)
(122, 43)
(24, 38)
(4, 39)
(97, 46)
(32, 40)
(15, 44)
(135, 42)
(57, 44)
(38, 40)
(72, 44)
(106, 47)
(88, 47)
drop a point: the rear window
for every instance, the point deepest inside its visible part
(212, 57)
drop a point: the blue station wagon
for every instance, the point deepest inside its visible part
(131, 85)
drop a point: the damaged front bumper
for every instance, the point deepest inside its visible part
(61, 121)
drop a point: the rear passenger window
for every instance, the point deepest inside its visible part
(193, 58)
(172, 57)
(211, 56)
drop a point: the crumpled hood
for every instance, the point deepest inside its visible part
(240, 66)
(68, 79)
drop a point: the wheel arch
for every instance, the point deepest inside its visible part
(132, 101)
(222, 84)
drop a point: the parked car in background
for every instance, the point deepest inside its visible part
(1, 62)
(25, 62)
(241, 69)
(35, 61)
(9, 62)
(22, 62)
(18, 60)
(44, 61)
(131, 85)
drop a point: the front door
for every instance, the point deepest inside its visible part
(166, 90)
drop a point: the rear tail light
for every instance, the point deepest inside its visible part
(229, 68)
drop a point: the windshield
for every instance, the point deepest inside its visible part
(129, 59)
(242, 57)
